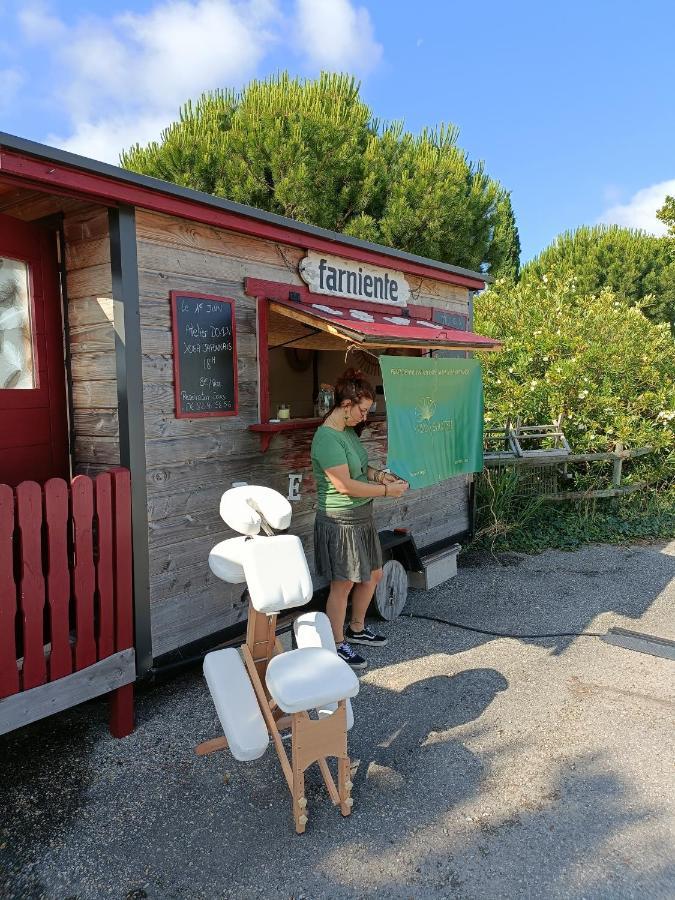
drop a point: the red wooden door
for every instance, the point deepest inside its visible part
(33, 412)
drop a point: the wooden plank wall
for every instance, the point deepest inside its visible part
(191, 462)
(92, 340)
(90, 317)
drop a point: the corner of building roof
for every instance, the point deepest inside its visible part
(96, 167)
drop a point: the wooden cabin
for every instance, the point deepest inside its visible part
(116, 361)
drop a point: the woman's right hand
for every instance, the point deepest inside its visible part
(397, 488)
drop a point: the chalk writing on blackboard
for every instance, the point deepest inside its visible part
(204, 355)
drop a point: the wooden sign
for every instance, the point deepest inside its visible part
(338, 277)
(204, 355)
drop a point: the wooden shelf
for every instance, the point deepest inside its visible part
(267, 430)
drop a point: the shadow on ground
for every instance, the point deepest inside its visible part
(85, 816)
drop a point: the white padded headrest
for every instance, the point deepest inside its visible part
(276, 573)
(240, 508)
(225, 560)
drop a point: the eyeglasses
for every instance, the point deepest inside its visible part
(364, 412)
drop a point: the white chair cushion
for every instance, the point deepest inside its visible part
(312, 629)
(236, 704)
(276, 573)
(225, 560)
(240, 508)
(308, 679)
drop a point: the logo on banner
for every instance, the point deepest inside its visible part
(426, 409)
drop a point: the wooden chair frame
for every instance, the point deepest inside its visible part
(311, 740)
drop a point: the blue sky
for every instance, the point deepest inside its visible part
(570, 105)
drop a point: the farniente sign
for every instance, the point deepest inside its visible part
(336, 277)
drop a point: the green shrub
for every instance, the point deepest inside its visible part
(594, 358)
(507, 522)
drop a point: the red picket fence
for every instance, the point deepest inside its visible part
(66, 593)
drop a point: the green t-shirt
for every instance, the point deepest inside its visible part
(335, 448)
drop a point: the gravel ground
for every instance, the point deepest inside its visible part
(488, 767)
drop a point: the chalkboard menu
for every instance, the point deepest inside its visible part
(204, 355)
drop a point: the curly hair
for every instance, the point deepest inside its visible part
(352, 385)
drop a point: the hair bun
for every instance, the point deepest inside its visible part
(353, 375)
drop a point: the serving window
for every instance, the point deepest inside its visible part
(303, 361)
(307, 340)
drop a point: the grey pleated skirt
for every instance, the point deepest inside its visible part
(346, 544)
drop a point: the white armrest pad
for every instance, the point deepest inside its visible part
(313, 629)
(225, 560)
(236, 704)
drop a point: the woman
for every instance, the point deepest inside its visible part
(346, 545)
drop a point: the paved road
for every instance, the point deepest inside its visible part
(489, 767)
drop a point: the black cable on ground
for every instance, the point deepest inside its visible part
(504, 634)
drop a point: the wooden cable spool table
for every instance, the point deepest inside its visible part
(392, 591)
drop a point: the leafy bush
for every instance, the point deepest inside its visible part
(596, 359)
(507, 522)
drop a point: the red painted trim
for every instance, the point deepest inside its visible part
(77, 182)
(410, 334)
(29, 520)
(58, 577)
(175, 295)
(124, 611)
(280, 290)
(9, 675)
(84, 576)
(34, 421)
(121, 721)
(424, 313)
(267, 430)
(104, 566)
(262, 311)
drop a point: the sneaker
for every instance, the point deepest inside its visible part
(350, 656)
(367, 636)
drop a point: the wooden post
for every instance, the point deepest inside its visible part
(618, 463)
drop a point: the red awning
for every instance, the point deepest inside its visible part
(389, 328)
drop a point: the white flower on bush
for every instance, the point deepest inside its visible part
(666, 415)
(582, 395)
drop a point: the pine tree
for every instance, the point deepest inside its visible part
(312, 150)
(667, 214)
(636, 266)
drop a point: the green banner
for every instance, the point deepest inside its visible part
(434, 417)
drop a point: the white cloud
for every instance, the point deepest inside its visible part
(103, 139)
(640, 211)
(336, 35)
(38, 24)
(121, 79)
